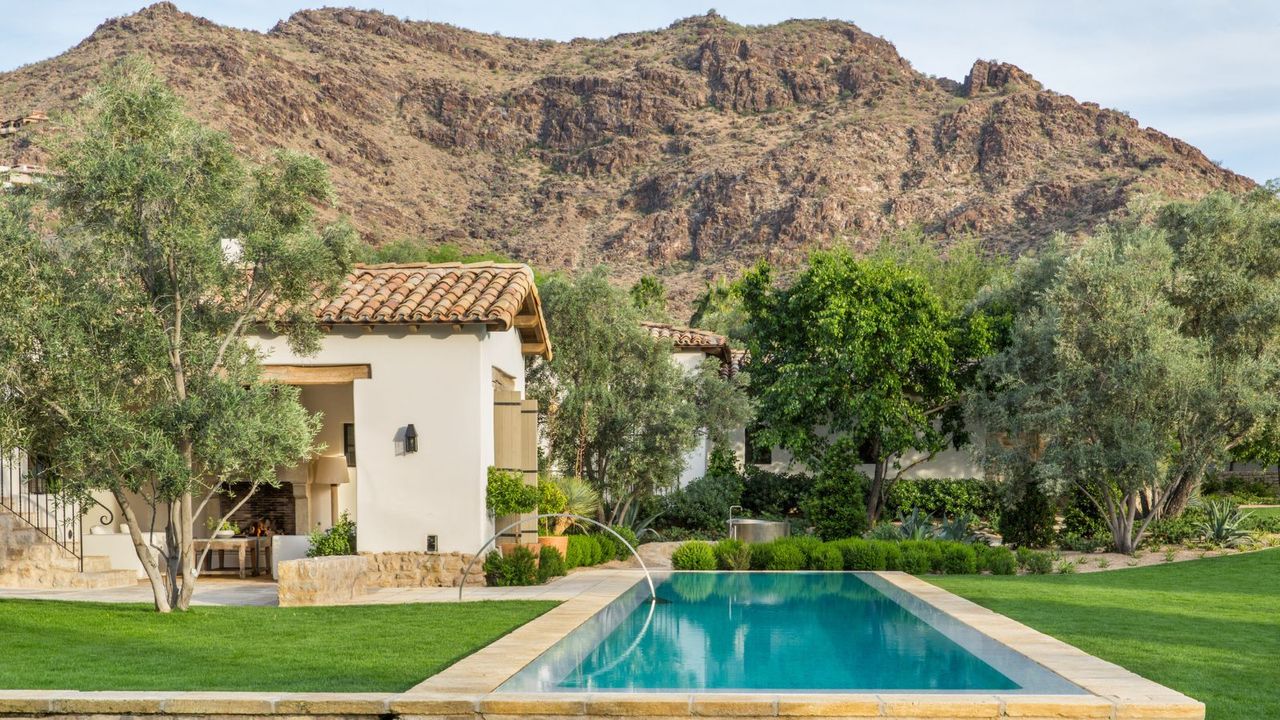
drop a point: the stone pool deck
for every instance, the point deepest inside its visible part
(468, 690)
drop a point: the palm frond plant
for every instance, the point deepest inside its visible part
(1224, 524)
(579, 499)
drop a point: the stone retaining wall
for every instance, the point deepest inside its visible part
(322, 580)
(343, 578)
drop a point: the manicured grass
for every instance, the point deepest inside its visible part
(372, 648)
(1264, 511)
(1207, 628)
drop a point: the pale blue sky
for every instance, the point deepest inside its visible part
(1203, 71)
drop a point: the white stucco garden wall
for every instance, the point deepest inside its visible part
(439, 380)
(695, 460)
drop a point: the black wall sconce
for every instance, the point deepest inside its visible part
(410, 439)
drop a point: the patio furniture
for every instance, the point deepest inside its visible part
(243, 546)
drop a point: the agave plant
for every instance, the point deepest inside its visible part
(916, 526)
(885, 531)
(959, 528)
(1224, 524)
(580, 499)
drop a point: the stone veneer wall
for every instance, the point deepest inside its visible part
(322, 581)
(343, 578)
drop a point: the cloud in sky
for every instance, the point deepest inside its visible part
(1200, 70)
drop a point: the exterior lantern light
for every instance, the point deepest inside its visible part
(410, 439)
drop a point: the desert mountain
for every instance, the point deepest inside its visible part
(690, 151)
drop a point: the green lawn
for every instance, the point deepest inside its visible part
(1207, 628)
(1264, 511)
(372, 648)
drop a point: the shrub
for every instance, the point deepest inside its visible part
(826, 557)
(583, 551)
(773, 495)
(892, 554)
(959, 559)
(337, 540)
(733, 555)
(1224, 524)
(998, 560)
(519, 568)
(696, 555)
(1038, 562)
(506, 493)
(915, 558)
(610, 548)
(942, 497)
(761, 555)
(1178, 530)
(1030, 520)
(550, 564)
(806, 544)
(630, 536)
(580, 499)
(861, 554)
(885, 531)
(836, 506)
(703, 504)
(551, 499)
(786, 556)
(1081, 543)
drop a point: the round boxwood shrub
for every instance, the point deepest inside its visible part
(959, 559)
(610, 548)
(892, 552)
(826, 556)
(550, 563)
(915, 558)
(733, 555)
(786, 556)
(1039, 562)
(583, 551)
(999, 560)
(630, 536)
(696, 555)
(761, 555)
(862, 554)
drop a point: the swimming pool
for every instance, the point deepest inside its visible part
(786, 631)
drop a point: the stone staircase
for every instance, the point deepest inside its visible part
(29, 559)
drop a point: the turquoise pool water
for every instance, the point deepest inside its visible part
(781, 632)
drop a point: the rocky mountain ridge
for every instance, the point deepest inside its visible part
(689, 152)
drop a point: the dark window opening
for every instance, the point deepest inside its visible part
(349, 443)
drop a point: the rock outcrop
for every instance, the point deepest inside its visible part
(690, 151)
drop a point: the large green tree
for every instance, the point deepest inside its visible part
(858, 357)
(621, 413)
(1143, 357)
(124, 309)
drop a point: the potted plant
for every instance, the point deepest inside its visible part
(506, 495)
(579, 498)
(225, 529)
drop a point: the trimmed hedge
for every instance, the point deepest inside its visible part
(945, 497)
(917, 557)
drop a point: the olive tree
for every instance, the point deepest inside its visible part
(122, 351)
(621, 413)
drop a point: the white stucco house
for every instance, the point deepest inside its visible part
(692, 346)
(420, 380)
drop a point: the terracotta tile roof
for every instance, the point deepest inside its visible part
(499, 295)
(686, 338)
